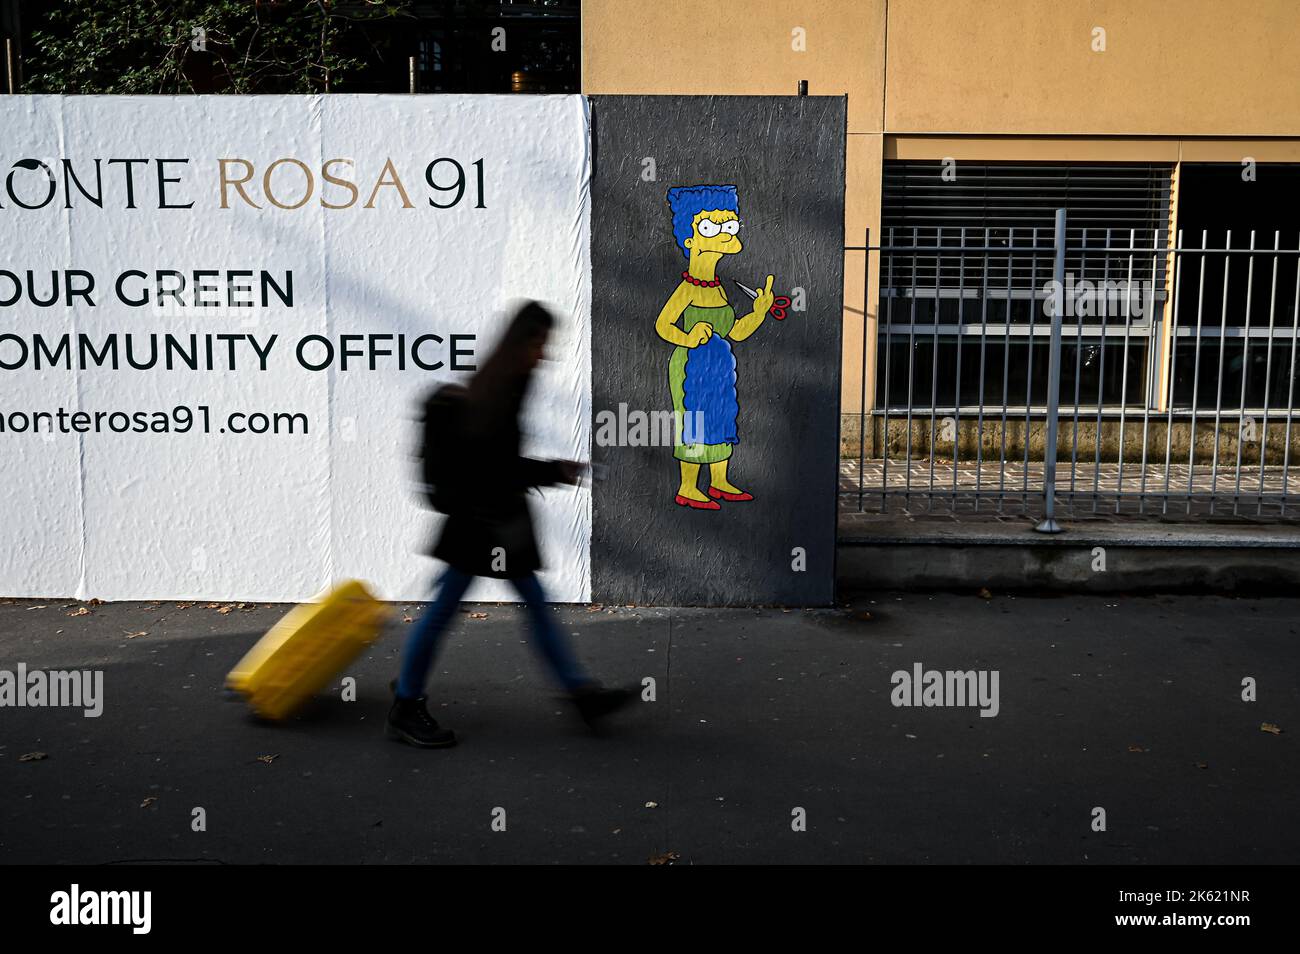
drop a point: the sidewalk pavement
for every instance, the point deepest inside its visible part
(1131, 704)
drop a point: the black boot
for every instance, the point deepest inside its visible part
(595, 701)
(409, 721)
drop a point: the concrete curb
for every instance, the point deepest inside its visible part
(1090, 556)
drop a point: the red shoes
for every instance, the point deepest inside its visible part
(717, 494)
(697, 504)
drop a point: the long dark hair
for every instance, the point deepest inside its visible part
(497, 390)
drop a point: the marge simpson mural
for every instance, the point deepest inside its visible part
(701, 322)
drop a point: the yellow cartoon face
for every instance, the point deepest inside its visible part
(715, 232)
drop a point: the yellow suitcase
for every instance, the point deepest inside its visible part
(312, 643)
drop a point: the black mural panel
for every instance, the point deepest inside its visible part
(704, 392)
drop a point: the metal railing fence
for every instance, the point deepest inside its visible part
(1018, 371)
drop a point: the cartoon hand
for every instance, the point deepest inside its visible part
(699, 334)
(765, 298)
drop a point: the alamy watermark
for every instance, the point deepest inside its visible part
(636, 428)
(955, 688)
(76, 906)
(1106, 298)
(55, 688)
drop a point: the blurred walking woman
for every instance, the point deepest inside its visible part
(478, 478)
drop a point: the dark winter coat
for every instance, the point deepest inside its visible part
(483, 490)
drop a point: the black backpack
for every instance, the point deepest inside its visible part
(442, 411)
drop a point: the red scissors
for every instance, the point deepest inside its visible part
(779, 302)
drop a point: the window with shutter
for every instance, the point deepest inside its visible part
(965, 264)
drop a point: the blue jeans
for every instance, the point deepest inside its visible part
(422, 645)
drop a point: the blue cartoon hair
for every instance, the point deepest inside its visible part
(689, 201)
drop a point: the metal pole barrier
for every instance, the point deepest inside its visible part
(1049, 524)
(862, 397)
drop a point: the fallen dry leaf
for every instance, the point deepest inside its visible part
(1136, 748)
(478, 615)
(268, 759)
(984, 593)
(225, 610)
(82, 611)
(148, 801)
(33, 757)
(1270, 727)
(95, 602)
(134, 635)
(664, 858)
(407, 619)
(651, 804)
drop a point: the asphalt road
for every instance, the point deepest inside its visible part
(1132, 705)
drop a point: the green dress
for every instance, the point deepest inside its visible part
(703, 385)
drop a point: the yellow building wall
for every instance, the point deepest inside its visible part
(739, 47)
(861, 212)
(1168, 67)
